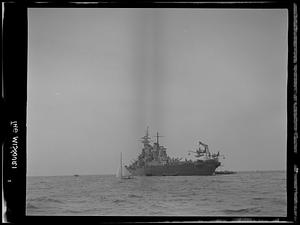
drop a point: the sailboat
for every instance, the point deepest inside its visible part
(122, 171)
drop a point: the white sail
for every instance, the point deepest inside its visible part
(118, 173)
(122, 171)
(125, 172)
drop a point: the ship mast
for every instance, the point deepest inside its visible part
(146, 138)
(157, 138)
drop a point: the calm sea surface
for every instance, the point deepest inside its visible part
(241, 194)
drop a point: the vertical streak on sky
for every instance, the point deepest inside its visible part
(149, 62)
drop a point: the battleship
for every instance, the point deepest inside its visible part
(154, 161)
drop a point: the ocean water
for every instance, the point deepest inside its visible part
(240, 194)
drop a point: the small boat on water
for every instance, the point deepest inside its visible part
(123, 172)
(224, 172)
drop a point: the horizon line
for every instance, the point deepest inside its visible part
(110, 174)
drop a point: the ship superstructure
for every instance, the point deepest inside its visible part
(154, 161)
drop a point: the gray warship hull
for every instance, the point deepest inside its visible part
(184, 169)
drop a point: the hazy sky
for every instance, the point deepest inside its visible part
(98, 77)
